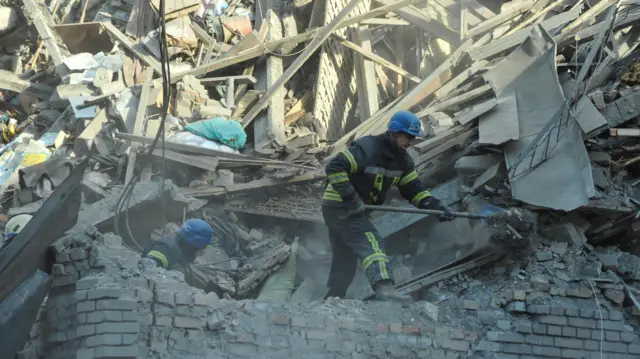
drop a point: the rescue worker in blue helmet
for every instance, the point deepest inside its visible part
(362, 174)
(178, 251)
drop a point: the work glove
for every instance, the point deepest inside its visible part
(355, 207)
(448, 213)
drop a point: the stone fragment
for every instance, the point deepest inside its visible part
(518, 307)
(471, 304)
(609, 261)
(543, 256)
(256, 235)
(540, 282)
(616, 296)
(582, 292)
(559, 248)
(430, 310)
(591, 269)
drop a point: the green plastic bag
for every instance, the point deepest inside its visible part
(219, 129)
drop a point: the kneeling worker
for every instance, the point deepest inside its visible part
(176, 252)
(363, 174)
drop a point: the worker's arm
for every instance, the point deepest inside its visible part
(414, 191)
(158, 256)
(344, 164)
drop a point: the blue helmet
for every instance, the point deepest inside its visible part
(197, 233)
(405, 121)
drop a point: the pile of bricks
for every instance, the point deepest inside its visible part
(125, 307)
(564, 332)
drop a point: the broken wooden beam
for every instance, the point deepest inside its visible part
(205, 162)
(260, 184)
(441, 138)
(275, 46)
(268, 127)
(488, 25)
(378, 59)
(624, 132)
(426, 23)
(429, 85)
(368, 101)
(139, 123)
(44, 24)
(322, 35)
(237, 79)
(10, 81)
(137, 49)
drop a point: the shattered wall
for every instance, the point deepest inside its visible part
(125, 307)
(335, 92)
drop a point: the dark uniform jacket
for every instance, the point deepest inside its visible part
(368, 168)
(167, 253)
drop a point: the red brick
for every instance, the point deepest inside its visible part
(383, 328)
(395, 328)
(281, 319)
(411, 330)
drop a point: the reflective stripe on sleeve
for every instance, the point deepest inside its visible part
(352, 161)
(419, 197)
(159, 256)
(408, 178)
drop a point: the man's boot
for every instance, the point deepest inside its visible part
(386, 292)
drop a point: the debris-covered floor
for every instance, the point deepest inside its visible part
(122, 119)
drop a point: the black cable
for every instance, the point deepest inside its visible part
(125, 196)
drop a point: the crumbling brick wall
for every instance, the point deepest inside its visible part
(125, 307)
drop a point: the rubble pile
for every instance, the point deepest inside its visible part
(228, 110)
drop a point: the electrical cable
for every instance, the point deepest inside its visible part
(125, 196)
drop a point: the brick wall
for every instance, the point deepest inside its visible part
(125, 307)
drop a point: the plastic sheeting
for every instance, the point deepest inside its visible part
(219, 129)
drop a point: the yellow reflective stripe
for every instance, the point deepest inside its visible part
(339, 177)
(378, 182)
(331, 194)
(160, 257)
(395, 181)
(332, 197)
(408, 178)
(376, 257)
(352, 161)
(384, 274)
(419, 197)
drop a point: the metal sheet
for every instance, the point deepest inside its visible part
(18, 312)
(500, 125)
(27, 252)
(564, 181)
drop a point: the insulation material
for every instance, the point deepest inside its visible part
(336, 99)
(563, 181)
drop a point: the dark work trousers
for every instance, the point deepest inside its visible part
(352, 239)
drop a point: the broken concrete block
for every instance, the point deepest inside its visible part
(543, 256)
(599, 157)
(559, 248)
(540, 282)
(471, 166)
(471, 304)
(430, 310)
(566, 232)
(84, 140)
(609, 261)
(516, 307)
(582, 292)
(256, 235)
(591, 269)
(616, 296)
(629, 266)
(491, 177)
